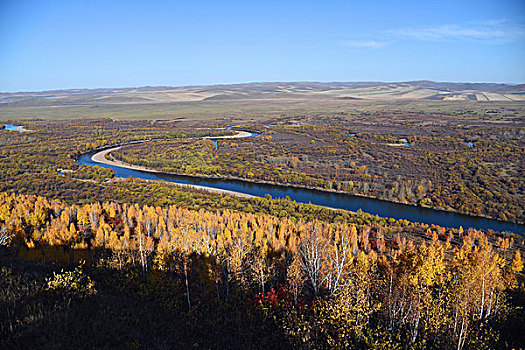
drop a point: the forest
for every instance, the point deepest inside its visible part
(238, 175)
(473, 171)
(292, 283)
(90, 260)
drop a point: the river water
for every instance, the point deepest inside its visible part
(13, 127)
(324, 198)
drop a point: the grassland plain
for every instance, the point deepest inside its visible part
(267, 101)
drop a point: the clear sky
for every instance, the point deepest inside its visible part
(54, 44)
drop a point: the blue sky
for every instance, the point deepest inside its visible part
(89, 43)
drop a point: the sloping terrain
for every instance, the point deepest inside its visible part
(359, 90)
(239, 103)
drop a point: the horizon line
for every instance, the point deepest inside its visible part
(262, 82)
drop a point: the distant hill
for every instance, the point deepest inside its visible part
(413, 90)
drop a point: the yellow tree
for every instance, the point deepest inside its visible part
(339, 256)
(351, 308)
(313, 249)
(295, 278)
(261, 266)
(476, 292)
(516, 265)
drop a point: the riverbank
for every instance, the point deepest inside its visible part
(102, 157)
(331, 199)
(240, 134)
(105, 157)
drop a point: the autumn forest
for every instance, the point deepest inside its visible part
(93, 260)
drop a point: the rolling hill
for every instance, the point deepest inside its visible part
(295, 90)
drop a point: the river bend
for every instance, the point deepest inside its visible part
(303, 195)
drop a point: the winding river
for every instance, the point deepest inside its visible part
(318, 197)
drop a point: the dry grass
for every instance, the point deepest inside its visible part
(257, 102)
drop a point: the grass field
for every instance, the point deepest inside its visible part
(268, 101)
(249, 110)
